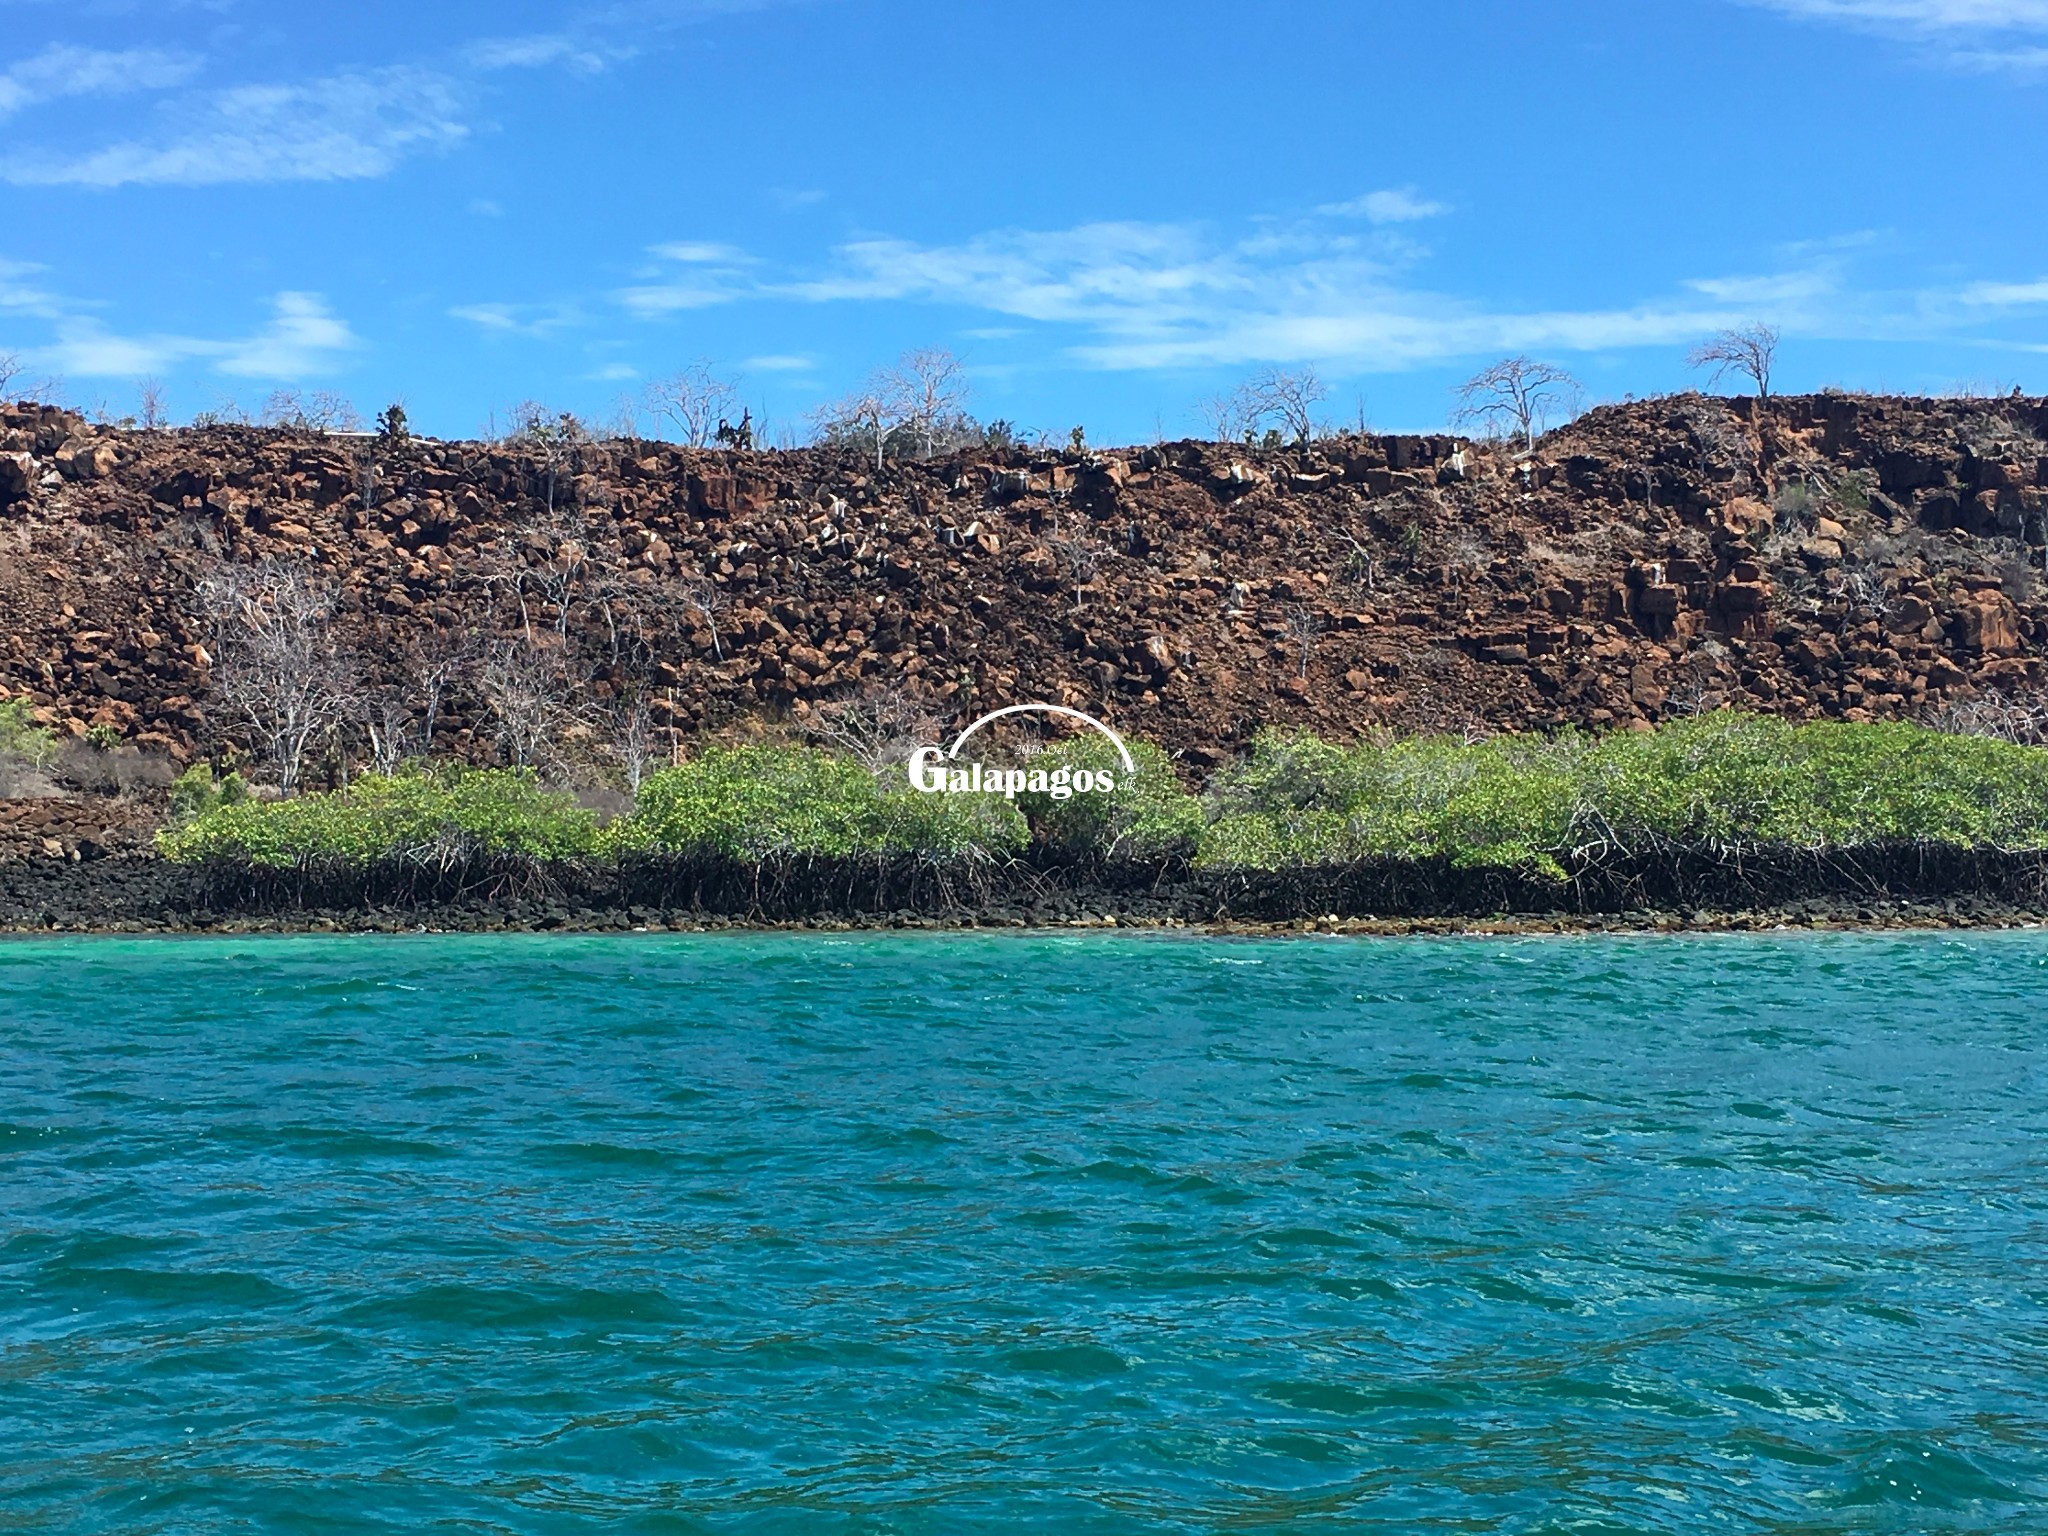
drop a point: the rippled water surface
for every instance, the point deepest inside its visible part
(1023, 1233)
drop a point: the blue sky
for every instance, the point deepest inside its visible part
(1109, 211)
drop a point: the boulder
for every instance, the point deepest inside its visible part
(81, 458)
(17, 477)
(1987, 624)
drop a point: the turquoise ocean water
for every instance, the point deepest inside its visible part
(972, 1233)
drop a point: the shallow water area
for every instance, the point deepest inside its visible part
(1039, 1232)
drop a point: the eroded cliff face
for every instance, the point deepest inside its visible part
(1834, 555)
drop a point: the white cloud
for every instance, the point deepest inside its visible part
(701, 252)
(1770, 290)
(1394, 205)
(712, 275)
(302, 338)
(1989, 35)
(1926, 15)
(61, 70)
(654, 299)
(536, 52)
(612, 372)
(2004, 294)
(19, 294)
(1147, 296)
(1150, 296)
(342, 127)
(515, 319)
(781, 362)
(1134, 295)
(2024, 61)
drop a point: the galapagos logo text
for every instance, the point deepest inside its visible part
(939, 771)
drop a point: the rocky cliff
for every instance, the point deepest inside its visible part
(1840, 555)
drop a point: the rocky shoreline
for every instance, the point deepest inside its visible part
(1882, 889)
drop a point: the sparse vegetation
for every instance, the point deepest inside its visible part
(21, 737)
(1749, 351)
(1518, 393)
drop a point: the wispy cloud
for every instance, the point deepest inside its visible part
(1152, 295)
(60, 71)
(711, 274)
(342, 127)
(1926, 15)
(303, 337)
(1393, 205)
(516, 319)
(2006, 294)
(781, 362)
(1136, 296)
(538, 51)
(21, 294)
(1996, 35)
(702, 253)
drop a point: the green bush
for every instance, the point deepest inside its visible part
(1539, 804)
(21, 737)
(197, 791)
(1147, 816)
(441, 816)
(1723, 781)
(756, 801)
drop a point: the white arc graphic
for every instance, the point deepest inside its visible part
(1052, 709)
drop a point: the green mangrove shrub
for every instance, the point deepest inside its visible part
(1720, 782)
(1147, 816)
(198, 790)
(754, 802)
(440, 816)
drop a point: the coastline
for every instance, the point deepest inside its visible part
(131, 895)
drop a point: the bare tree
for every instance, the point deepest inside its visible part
(1078, 557)
(867, 417)
(624, 425)
(275, 657)
(1224, 416)
(527, 691)
(10, 370)
(880, 728)
(152, 414)
(386, 717)
(700, 595)
(1304, 627)
(693, 400)
(930, 389)
(1518, 391)
(1748, 351)
(2019, 717)
(633, 739)
(552, 437)
(1289, 398)
(388, 713)
(321, 411)
(555, 579)
(438, 663)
